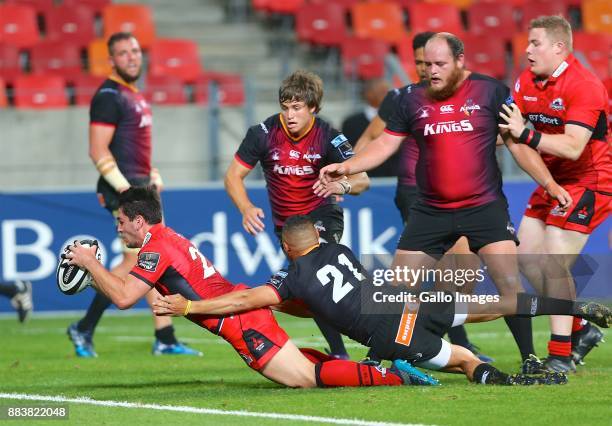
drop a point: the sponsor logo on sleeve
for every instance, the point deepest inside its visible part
(148, 261)
(339, 140)
(278, 279)
(264, 128)
(509, 100)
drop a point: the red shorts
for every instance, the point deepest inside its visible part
(255, 335)
(588, 211)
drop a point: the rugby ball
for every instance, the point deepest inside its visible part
(70, 278)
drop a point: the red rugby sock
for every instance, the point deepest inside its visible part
(350, 373)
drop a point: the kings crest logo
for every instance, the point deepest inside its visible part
(557, 105)
(469, 107)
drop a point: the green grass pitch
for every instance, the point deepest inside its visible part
(37, 358)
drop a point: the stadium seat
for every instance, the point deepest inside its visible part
(55, 58)
(363, 58)
(430, 17)
(536, 8)
(460, 4)
(97, 58)
(285, 7)
(596, 49)
(231, 88)
(9, 62)
(72, 24)
(323, 25)
(40, 91)
(41, 7)
(405, 54)
(97, 6)
(519, 44)
(18, 25)
(134, 18)
(492, 20)
(384, 21)
(175, 57)
(346, 4)
(165, 90)
(3, 98)
(485, 55)
(85, 86)
(597, 16)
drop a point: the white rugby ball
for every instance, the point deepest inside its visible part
(70, 278)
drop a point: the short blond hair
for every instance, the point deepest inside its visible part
(556, 27)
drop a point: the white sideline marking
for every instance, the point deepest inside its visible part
(196, 410)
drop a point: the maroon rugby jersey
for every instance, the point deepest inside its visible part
(572, 95)
(123, 107)
(291, 166)
(170, 263)
(456, 167)
(409, 150)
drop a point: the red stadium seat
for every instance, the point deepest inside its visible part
(461, 4)
(9, 62)
(56, 58)
(85, 86)
(430, 17)
(231, 88)
(519, 44)
(346, 4)
(492, 20)
(3, 98)
(596, 49)
(405, 55)
(536, 8)
(72, 24)
(18, 25)
(97, 58)
(323, 24)
(165, 90)
(384, 21)
(96, 5)
(363, 58)
(175, 57)
(286, 7)
(597, 16)
(40, 91)
(42, 7)
(134, 18)
(485, 55)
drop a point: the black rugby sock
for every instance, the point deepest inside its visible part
(8, 289)
(166, 335)
(531, 305)
(458, 336)
(95, 311)
(486, 374)
(522, 333)
(333, 337)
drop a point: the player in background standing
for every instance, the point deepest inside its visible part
(568, 107)
(20, 294)
(406, 191)
(120, 148)
(292, 147)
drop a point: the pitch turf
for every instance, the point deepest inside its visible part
(37, 358)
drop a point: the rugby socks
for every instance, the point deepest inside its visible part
(315, 356)
(523, 335)
(530, 305)
(166, 335)
(458, 336)
(333, 337)
(486, 374)
(96, 309)
(349, 373)
(579, 326)
(8, 289)
(560, 346)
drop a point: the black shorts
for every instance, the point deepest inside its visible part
(405, 197)
(433, 230)
(109, 198)
(329, 221)
(415, 339)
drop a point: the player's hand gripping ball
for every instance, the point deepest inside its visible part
(70, 278)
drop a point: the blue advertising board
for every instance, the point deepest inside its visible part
(34, 227)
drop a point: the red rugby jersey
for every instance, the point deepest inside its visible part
(572, 95)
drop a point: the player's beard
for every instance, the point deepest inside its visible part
(448, 89)
(127, 77)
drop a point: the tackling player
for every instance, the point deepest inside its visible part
(332, 283)
(292, 147)
(169, 263)
(120, 147)
(568, 107)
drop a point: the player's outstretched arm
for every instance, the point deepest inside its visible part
(234, 184)
(123, 293)
(531, 162)
(230, 303)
